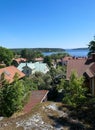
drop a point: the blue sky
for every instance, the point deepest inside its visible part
(46, 23)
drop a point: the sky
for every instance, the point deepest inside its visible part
(47, 23)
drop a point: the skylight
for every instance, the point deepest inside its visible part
(6, 72)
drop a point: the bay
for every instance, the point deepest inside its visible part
(72, 52)
(77, 52)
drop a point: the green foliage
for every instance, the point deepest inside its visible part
(59, 55)
(30, 55)
(53, 72)
(30, 84)
(39, 81)
(24, 53)
(47, 59)
(17, 50)
(6, 55)
(16, 77)
(74, 91)
(58, 71)
(11, 98)
(2, 66)
(61, 85)
(43, 81)
(12, 95)
(91, 47)
(3, 82)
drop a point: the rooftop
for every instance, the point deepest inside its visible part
(18, 60)
(37, 96)
(78, 65)
(37, 67)
(10, 72)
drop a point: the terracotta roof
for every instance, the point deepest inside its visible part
(10, 73)
(78, 65)
(37, 96)
(18, 60)
(39, 59)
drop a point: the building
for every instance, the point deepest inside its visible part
(9, 73)
(30, 68)
(17, 61)
(37, 96)
(40, 59)
(83, 67)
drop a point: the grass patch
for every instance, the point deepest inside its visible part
(26, 98)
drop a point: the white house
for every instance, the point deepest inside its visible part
(31, 68)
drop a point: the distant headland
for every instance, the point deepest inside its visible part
(39, 49)
(85, 48)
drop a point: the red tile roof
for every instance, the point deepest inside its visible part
(78, 65)
(39, 59)
(37, 96)
(10, 73)
(18, 60)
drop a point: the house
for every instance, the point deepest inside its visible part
(41, 67)
(37, 96)
(9, 73)
(27, 68)
(17, 61)
(31, 68)
(84, 67)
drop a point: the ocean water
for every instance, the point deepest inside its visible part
(72, 52)
(78, 52)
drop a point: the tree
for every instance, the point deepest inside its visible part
(39, 81)
(91, 47)
(74, 91)
(6, 55)
(59, 55)
(12, 97)
(30, 84)
(48, 60)
(24, 53)
(30, 55)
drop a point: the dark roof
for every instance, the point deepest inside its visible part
(92, 68)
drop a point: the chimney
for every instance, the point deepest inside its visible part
(26, 63)
(93, 56)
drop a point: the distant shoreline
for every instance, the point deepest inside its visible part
(48, 49)
(39, 49)
(77, 49)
